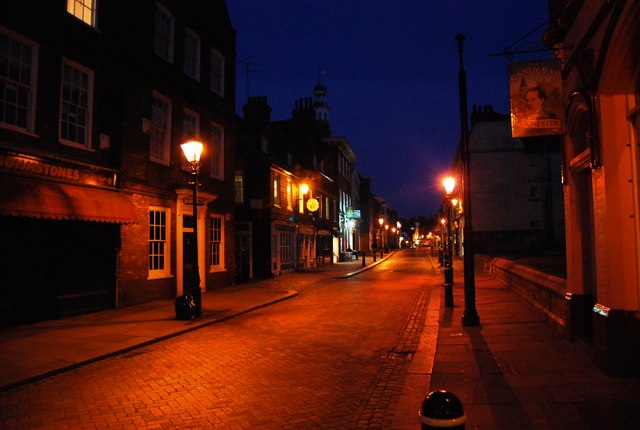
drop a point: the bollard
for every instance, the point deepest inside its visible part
(185, 308)
(448, 287)
(364, 256)
(442, 409)
(374, 255)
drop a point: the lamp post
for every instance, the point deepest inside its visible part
(192, 151)
(381, 221)
(470, 315)
(304, 189)
(449, 184)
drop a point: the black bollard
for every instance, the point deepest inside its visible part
(448, 287)
(442, 409)
(364, 256)
(185, 308)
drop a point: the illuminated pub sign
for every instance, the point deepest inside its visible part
(535, 92)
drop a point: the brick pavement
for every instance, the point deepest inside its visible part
(515, 372)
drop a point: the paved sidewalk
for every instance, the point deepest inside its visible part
(34, 351)
(515, 372)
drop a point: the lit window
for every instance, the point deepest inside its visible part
(76, 105)
(217, 151)
(192, 54)
(276, 190)
(239, 187)
(18, 70)
(217, 72)
(163, 33)
(159, 266)
(84, 10)
(160, 129)
(289, 195)
(216, 248)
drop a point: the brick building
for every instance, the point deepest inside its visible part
(97, 97)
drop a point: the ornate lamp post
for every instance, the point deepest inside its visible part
(449, 184)
(192, 151)
(470, 315)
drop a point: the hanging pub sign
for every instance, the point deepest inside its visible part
(535, 92)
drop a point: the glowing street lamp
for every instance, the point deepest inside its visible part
(381, 221)
(192, 150)
(449, 184)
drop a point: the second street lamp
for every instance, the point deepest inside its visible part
(449, 184)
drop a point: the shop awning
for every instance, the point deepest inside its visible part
(20, 196)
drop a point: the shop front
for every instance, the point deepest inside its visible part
(60, 228)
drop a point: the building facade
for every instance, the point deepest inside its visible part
(97, 97)
(516, 189)
(597, 42)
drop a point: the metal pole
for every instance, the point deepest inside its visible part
(195, 288)
(470, 315)
(448, 263)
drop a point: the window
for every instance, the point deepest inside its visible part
(190, 130)
(84, 10)
(217, 151)
(192, 54)
(159, 264)
(17, 81)
(286, 247)
(264, 144)
(217, 72)
(289, 195)
(276, 190)
(216, 249)
(160, 129)
(163, 33)
(239, 187)
(76, 105)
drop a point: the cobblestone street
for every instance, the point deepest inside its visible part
(333, 357)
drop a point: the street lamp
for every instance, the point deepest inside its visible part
(449, 184)
(470, 315)
(192, 150)
(299, 207)
(381, 221)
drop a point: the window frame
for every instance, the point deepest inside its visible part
(165, 271)
(88, 120)
(216, 247)
(155, 129)
(276, 189)
(190, 133)
(161, 41)
(238, 180)
(216, 150)
(78, 9)
(31, 87)
(192, 60)
(217, 64)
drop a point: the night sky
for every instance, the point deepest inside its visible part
(391, 72)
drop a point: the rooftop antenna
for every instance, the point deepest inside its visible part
(247, 67)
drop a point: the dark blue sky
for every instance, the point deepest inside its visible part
(391, 75)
